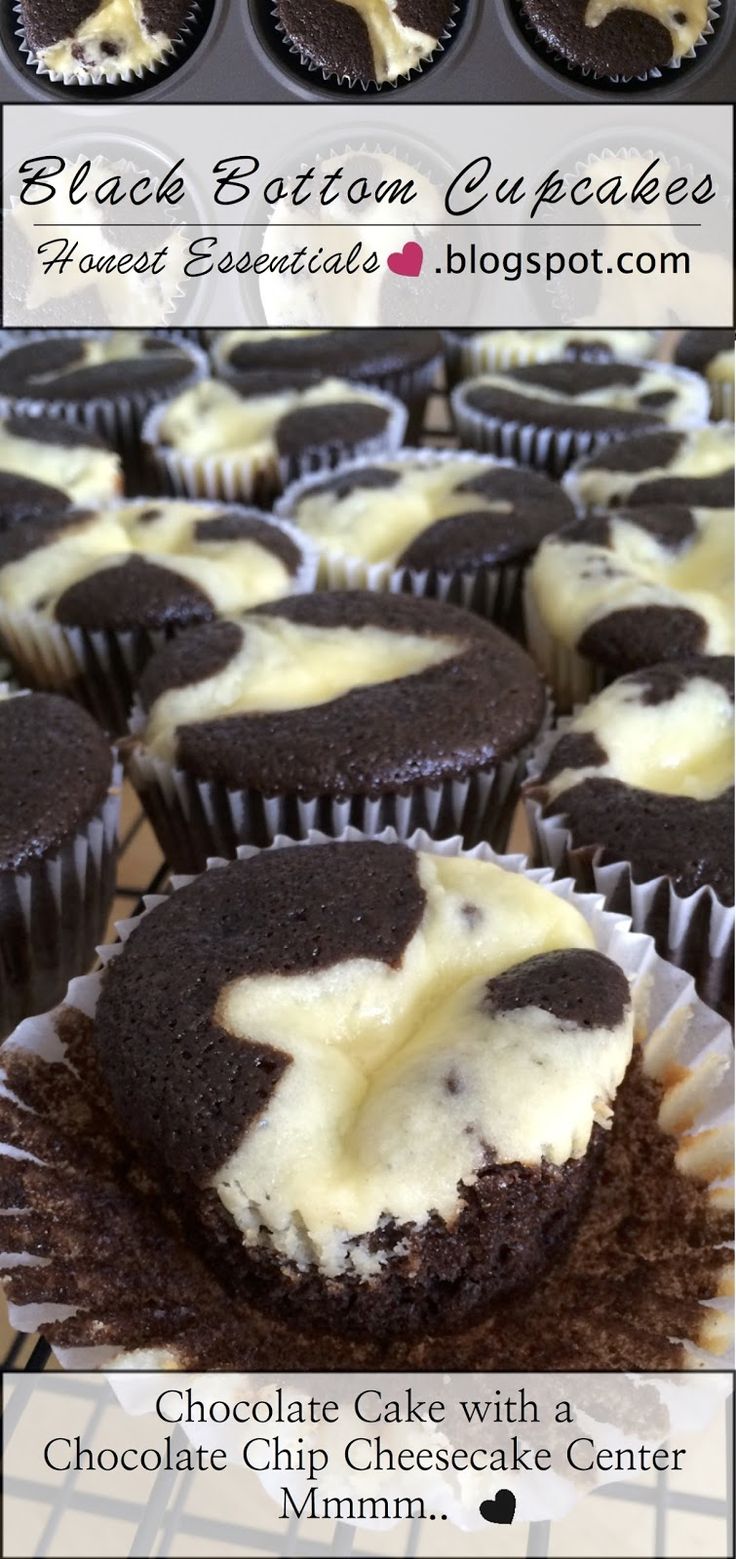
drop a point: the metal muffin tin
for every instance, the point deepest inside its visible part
(241, 59)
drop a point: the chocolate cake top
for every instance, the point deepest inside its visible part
(697, 349)
(608, 39)
(72, 460)
(80, 368)
(692, 467)
(645, 774)
(422, 512)
(54, 775)
(347, 354)
(366, 41)
(48, 22)
(611, 398)
(520, 346)
(282, 414)
(445, 999)
(341, 693)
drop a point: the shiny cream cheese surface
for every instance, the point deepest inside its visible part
(117, 24)
(233, 574)
(703, 451)
(576, 583)
(284, 665)
(362, 1126)
(396, 49)
(83, 472)
(212, 419)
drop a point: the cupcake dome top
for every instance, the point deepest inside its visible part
(77, 368)
(345, 353)
(73, 461)
(613, 39)
(707, 351)
(151, 563)
(54, 775)
(693, 467)
(367, 40)
(346, 692)
(90, 37)
(646, 772)
(609, 398)
(340, 1008)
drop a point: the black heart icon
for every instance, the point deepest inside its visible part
(501, 1509)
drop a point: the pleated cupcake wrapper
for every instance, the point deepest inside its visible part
(243, 477)
(173, 55)
(597, 78)
(101, 667)
(312, 69)
(53, 913)
(685, 1047)
(552, 450)
(412, 386)
(695, 932)
(571, 482)
(120, 420)
(493, 591)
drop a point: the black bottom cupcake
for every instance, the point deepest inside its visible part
(370, 45)
(611, 42)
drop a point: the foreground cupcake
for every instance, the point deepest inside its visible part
(455, 525)
(402, 362)
(549, 414)
(640, 784)
(622, 590)
(471, 352)
(375, 43)
(711, 353)
(249, 1090)
(609, 39)
(693, 468)
(344, 706)
(86, 595)
(94, 40)
(74, 462)
(105, 380)
(219, 441)
(58, 816)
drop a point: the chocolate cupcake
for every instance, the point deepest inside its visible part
(375, 43)
(59, 799)
(621, 590)
(328, 709)
(694, 468)
(73, 464)
(449, 524)
(87, 595)
(83, 41)
(375, 1254)
(404, 363)
(471, 352)
(549, 414)
(711, 353)
(608, 39)
(640, 784)
(217, 441)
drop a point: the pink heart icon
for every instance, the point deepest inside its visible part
(407, 261)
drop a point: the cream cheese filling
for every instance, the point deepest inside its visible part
(94, 351)
(687, 395)
(542, 346)
(378, 524)
(396, 49)
(703, 451)
(576, 583)
(362, 1126)
(680, 747)
(283, 665)
(118, 23)
(684, 19)
(233, 574)
(82, 471)
(211, 419)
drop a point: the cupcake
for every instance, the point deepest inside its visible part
(221, 442)
(374, 42)
(711, 353)
(434, 522)
(104, 380)
(361, 1106)
(72, 462)
(693, 468)
(470, 352)
(86, 595)
(622, 590)
(608, 39)
(549, 414)
(640, 784)
(327, 709)
(58, 818)
(95, 40)
(402, 362)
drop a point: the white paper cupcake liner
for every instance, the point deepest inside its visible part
(572, 677)
(242, 477)
(695, 932)
(101, 667)
(120, 420)
(311, 68)
(599, 78)
(552, 450)
(493, 591)
(572, 485)
(172, 55)
(53, 913)
(685, 1047)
